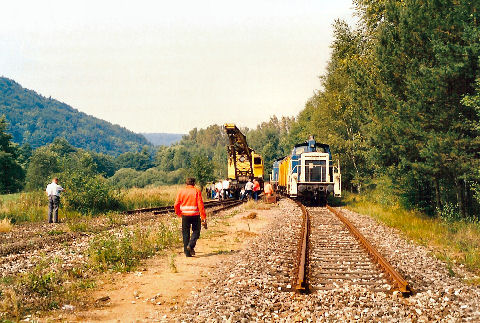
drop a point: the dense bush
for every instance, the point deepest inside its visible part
(127, 177)
(89, 194)
(43, 164)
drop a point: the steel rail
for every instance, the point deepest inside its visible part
(395, 277)
(302, 283)
(167, 208)
(208, 205)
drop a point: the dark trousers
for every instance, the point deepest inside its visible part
(53, 203)
(187, 222)
(226, 193)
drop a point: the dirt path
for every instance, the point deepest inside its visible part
(164, 282)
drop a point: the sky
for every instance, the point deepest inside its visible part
(170, 66)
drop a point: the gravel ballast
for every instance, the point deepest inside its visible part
(255, 284)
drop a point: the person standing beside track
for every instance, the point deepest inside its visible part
(219, 189)
(226, 189)
(268, 189)
(248, 190)
(256, 189)
(53, 192)
(189, 206)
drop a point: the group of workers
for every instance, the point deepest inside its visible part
(221, 190)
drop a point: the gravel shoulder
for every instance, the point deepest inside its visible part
(160, 287)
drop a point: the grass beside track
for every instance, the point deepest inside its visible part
(32, 206)
(452, 241)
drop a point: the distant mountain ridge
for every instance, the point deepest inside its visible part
(163, 139)
(38, 120)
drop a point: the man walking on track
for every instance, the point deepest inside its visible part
(53, 192)
(189, 205)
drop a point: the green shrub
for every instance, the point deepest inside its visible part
(128, 178)
(89, 194)
(123, 253)
(44, 283)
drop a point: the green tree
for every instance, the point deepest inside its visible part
(427, 58)
(136, 160)
(43, 164)
(202, 169)
(12, 173)
(105, 164)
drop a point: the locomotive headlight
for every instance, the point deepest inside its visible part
(242, 159)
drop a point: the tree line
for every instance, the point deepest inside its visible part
(399, 102)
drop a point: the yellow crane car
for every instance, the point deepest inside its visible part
(243, 162)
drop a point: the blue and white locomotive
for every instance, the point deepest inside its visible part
(308, 173)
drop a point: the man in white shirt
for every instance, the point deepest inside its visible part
(53, 192)
(219, 189)
(226, 188)
(248, 190)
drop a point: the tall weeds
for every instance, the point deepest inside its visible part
(122, 252)
(135, 198)
(32, 206)
(453, 239)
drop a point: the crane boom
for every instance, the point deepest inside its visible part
(240, 161)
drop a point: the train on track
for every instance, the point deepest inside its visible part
(308, 173)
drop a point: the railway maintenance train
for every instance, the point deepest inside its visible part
(308, 173)
(243, 163)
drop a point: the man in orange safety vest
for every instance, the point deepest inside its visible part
(189, 206)
(268, 189)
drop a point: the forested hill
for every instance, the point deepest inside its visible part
(37, 120)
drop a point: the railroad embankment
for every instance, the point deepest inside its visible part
(243, 271)
(449, 238)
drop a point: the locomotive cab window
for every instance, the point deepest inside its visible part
(257, 161)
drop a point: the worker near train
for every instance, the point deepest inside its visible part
(268, 189)
(256, 189)
(226, 188)
(219, 189)
(189, 206)
(53, 192)
(248, 189)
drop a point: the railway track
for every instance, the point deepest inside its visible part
(333, 253)
(224, 204)
(38, 239)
